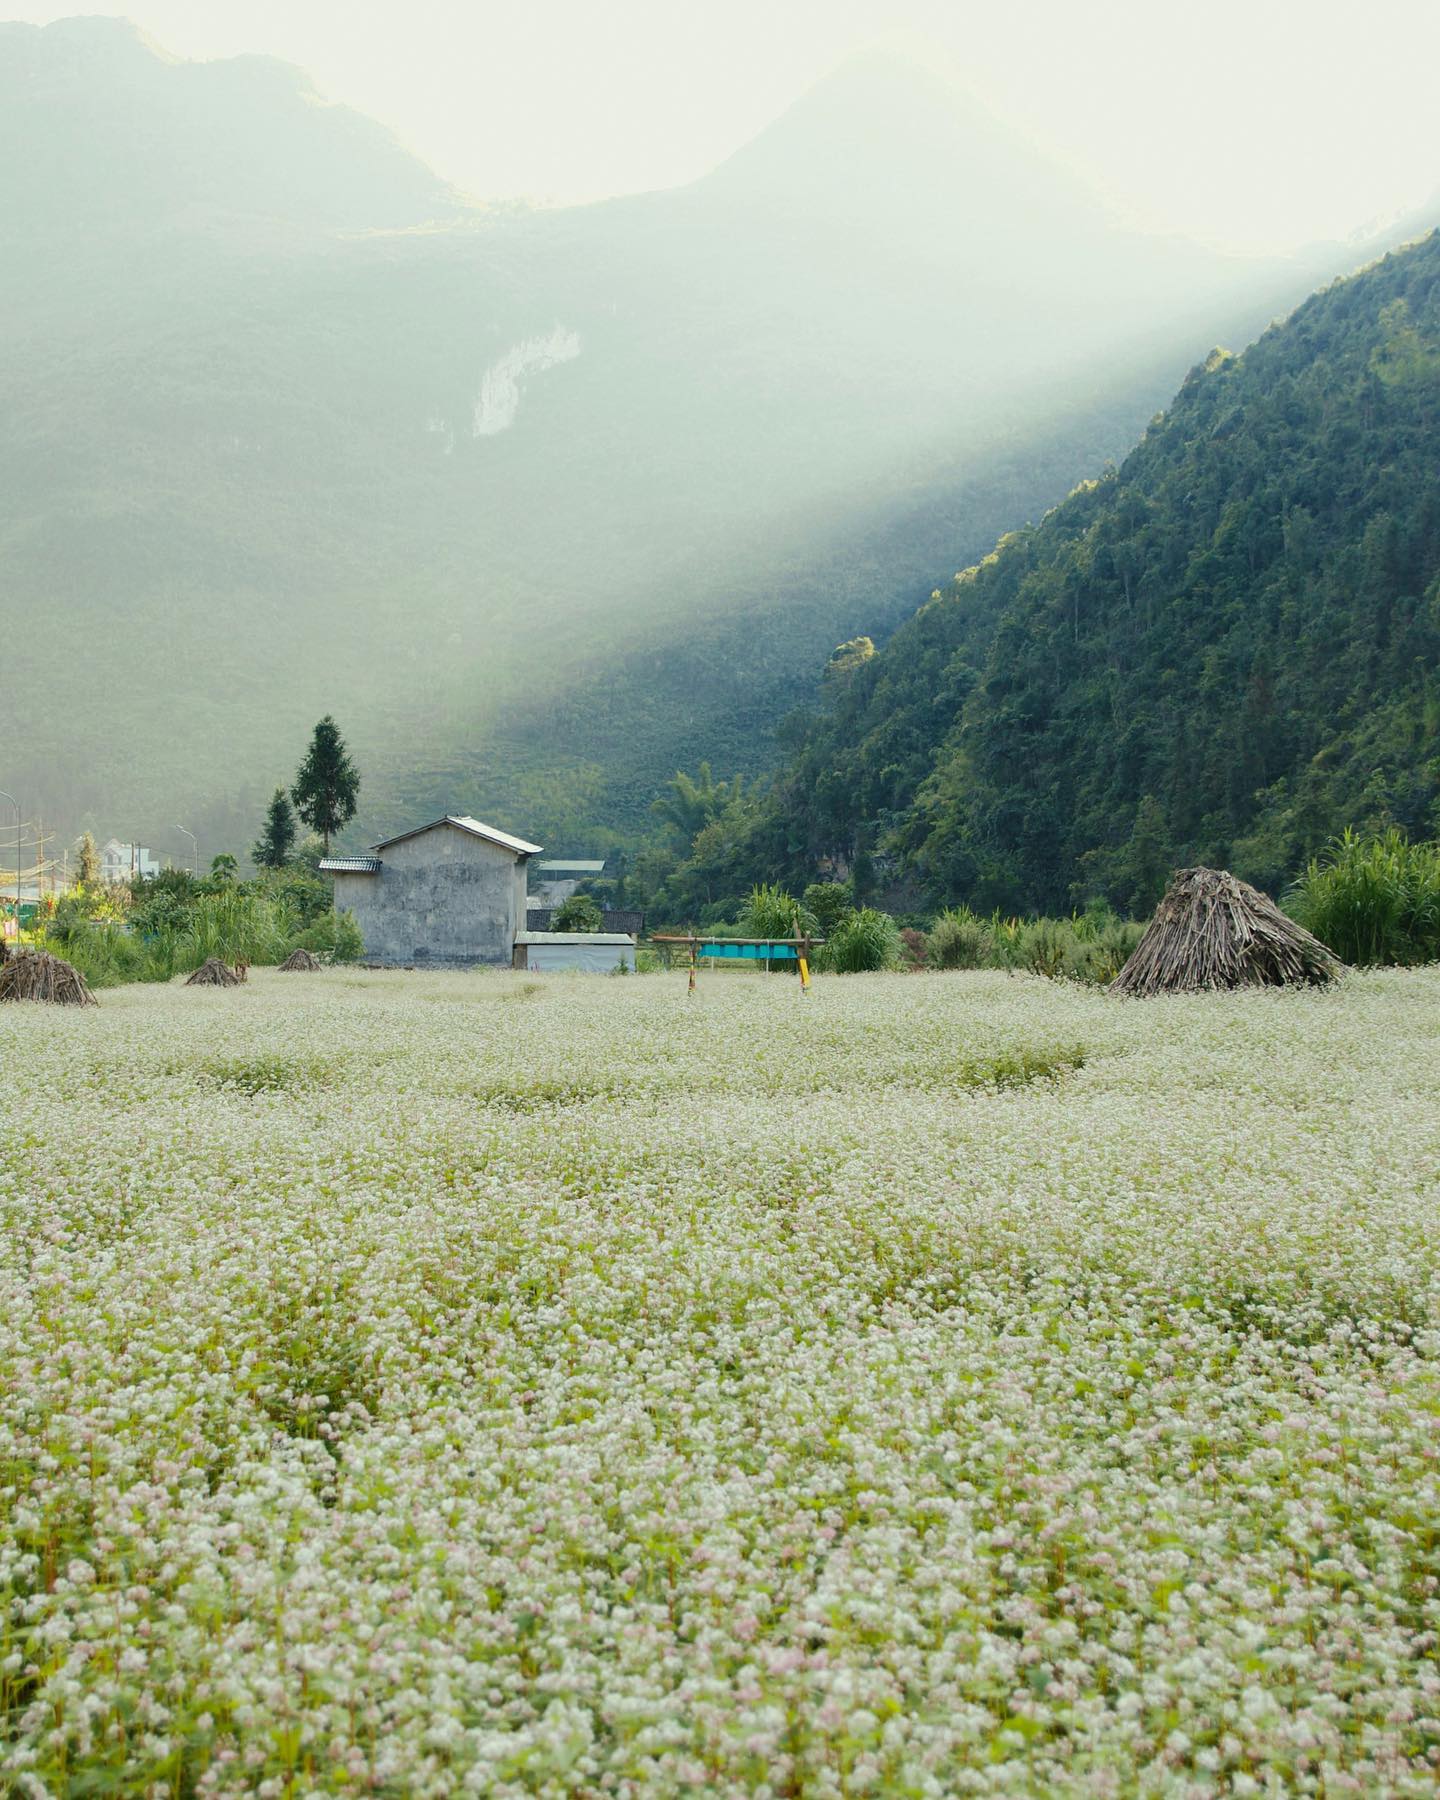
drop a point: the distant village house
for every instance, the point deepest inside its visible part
(124, 862)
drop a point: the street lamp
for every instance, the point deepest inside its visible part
(16, 804)
(196, 842)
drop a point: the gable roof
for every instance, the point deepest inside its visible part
(349, 865)
(463, 822)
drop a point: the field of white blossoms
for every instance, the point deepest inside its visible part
(945, 1384)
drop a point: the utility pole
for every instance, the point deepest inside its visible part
(196, 842)
(16, 804)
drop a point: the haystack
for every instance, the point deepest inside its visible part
(299, 961)
(213, 973)
(36, 975)
(1212, 930)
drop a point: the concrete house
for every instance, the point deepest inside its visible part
(444, 895)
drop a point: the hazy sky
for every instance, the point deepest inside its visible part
(1259, 123)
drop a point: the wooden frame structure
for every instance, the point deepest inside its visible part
(771, 950)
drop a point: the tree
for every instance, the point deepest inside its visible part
(578, 913)
(88, 862)
(223, 867)
(277, 837)
(327, 787)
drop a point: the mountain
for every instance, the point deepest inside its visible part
(540, 504)
(101, 130)
(1224, 651)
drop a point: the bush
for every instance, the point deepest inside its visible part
(108, 955)
(578, 913)
(914, 947)
(862, 943)
(829, 903)
(236, 927)
(959, 940)
(770, 912)
(1372, 899)
(334, 935)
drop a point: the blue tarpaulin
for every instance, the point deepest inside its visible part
(749, 952)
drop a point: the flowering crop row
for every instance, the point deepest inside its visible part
(432, 1384)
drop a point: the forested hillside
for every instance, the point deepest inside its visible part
(543, 505)
(1224, 651)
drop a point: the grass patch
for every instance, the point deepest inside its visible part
(266, 1073)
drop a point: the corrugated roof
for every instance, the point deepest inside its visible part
(573, 937)
(590, 868)
(463, 822)
(350, 865)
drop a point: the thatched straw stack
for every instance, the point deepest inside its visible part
(1214, 931)
(213, 973)
(299, 962)
(36, 975)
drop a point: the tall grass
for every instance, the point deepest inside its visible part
(1089, 947)
(236, 927)
(865, 941)
(1372, 899)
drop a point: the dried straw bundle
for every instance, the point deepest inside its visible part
(213, 973)
(1212, 930)
(36, 975)
(299, 961)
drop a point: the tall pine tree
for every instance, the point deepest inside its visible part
(277, 837)
(327, 788)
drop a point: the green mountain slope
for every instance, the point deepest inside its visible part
(1224, 651)
(540, 505)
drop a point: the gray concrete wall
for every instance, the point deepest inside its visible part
(442, 898)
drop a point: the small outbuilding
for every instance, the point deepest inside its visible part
(596, 952)
(449, 894)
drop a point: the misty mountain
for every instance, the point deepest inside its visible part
(543, 504)
(1225, 651)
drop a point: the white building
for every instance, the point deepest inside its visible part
(120, 862)
(597, 952)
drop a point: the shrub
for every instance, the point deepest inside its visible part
(959, 940)
(914, 947)
(770, 912)
(334, 935)
(578, 913)
(865, 941)
(236, 927)
(828, 903)
(1372, 899)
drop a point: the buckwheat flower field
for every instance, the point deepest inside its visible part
(484, 1384)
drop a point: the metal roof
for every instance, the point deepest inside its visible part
(350, 865)
(463, 822)
(573, 937)
(590, 868)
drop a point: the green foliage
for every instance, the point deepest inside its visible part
(828, 902)
(1221, 653)
(771, 912)
(1372, 899)
(223, 869)
(108, 955)
(864, 942)
(304, 895)
(1089, 947)
(687, 806)
(332, 934)
(235, 926)
(277, 836)
(578, 913)
(87, 861)
(327, 787)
